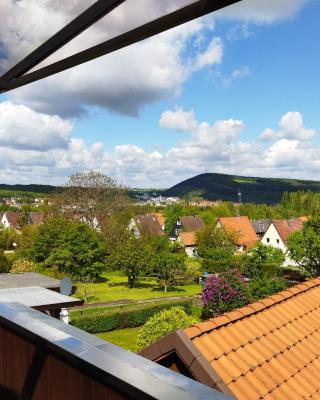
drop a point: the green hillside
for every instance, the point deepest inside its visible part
(212, 186)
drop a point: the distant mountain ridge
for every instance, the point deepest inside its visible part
(212, 186)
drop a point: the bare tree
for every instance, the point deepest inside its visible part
(91, 197)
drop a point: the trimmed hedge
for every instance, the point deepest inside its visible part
(109, 321)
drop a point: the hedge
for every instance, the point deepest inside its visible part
(108, 321)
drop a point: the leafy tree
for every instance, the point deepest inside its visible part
(133, 257)
(71, 247)
(304, 246)
(262, 260)
(170, 268)
(5, 263)
(220, 260)
(161, 324)
(264, 287)
(7, 238)
(224, 293)
(213, 237)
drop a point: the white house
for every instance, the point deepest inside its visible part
(278, 233)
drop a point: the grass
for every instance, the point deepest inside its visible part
(113, 287)
(125, 338)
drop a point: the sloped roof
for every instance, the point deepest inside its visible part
(35, 218)
(188, 238)
(245, 234)
(285, 227)
(266, 350)
(261, 225)
(148, 225)
(13, 217)
(192, 223)
(160, 217)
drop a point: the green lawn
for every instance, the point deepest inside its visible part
(113, 287)
(125, 338)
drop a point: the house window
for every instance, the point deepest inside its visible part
(178, 231)
(278, 241)
(268, 240)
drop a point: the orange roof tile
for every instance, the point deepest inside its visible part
(188, 238)
(266, 350)
(160, 217)
(243, 229)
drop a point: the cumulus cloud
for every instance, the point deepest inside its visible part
(178, 120)
(291, 128)
(216, 147)
(23, 128)
(123, 81)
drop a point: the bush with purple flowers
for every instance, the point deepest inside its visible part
(224, 292)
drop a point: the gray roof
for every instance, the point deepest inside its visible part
(148, 225)
(27, 279)
(38, 298)
(261, 225)
(192, 223)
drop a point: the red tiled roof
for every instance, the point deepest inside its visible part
(35, 218)
(148, 225)
(13, 218)
(268, 349)
(285, 227)
(241, 226)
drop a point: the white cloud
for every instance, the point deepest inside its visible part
(291, 128)
(239, 73)
(179, 120)
(23, 128)
(263, 11)
(213, 54)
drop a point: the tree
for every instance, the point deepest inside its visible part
(224, 293)
(213, 237)
(90, 197)
(161, 324)
(261, 261)
(71, 247)
(133, 257)
(5, 263)
(304, 246)
(264, 287)
(170, 268)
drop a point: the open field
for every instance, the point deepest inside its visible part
(113, 287)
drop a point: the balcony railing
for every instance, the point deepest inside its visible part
(44, 359)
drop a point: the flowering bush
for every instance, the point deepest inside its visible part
(224, 292)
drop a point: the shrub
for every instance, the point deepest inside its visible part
(264, 287)
(5, 263)
(161, 324)
(220, 260)
(108, 320)
(23, 265)
(224, 292)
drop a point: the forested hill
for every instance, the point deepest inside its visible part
(33, 188)
(212, 186)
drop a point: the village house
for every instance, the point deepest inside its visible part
(149, 224)
(278, 233)
(35, 218)
(241, 230)
(189, 242)
(11, 219)
(265, 350)
(190, 223)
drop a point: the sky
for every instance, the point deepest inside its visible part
(234, 92)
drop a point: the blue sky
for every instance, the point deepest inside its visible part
(237, 92)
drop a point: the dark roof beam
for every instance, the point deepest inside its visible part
(179, 17)
(93, 14)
